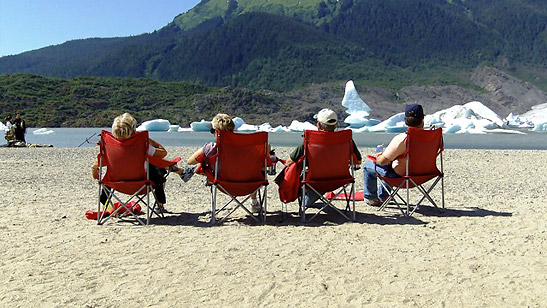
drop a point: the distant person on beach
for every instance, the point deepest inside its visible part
(10, 133)
(327, 121)
(221, 122)
(390, 162)
(124, 126)
(20, 128)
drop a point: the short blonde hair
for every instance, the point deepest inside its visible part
(223, 122)
(124, 126)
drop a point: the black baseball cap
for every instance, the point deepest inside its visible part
(414, 110)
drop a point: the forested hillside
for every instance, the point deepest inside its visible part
(282, 45)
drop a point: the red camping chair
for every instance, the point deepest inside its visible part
(422, 148)
(238, 170)
(328, 165)
(126, 163)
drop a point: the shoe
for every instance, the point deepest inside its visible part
(187, 173)
(173, 168)
(373, 202)
(255, 206)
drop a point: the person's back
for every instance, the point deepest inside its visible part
(327, 121)
(391, 162)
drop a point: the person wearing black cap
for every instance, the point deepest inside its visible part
(391, 162)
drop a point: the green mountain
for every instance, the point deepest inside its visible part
(282, 44)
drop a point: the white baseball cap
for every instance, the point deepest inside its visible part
(326, 116)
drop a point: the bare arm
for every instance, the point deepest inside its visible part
(381, 159)
(193, 159)
(288, 161)
(95, 171)
(161, 152)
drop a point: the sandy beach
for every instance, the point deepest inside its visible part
(487, 250)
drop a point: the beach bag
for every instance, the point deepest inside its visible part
(133, 206)
(289, 182)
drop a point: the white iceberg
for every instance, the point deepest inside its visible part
(471, 118)
(43, 131)
(357, 109)
(537, 117)
(395, 123)
(280, 129)
(247, 128)
(517, 122)
(173, 129)
(238, 122)
(201, 126)
(297, 126)
(158, 125)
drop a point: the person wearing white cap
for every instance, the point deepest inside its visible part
(326, 121)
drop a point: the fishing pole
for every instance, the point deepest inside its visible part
(87, 139)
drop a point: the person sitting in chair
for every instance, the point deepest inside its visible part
(124, 127)
(391, 162)
(327, 121)
(221, 122)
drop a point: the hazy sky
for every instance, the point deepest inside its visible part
(32, 24)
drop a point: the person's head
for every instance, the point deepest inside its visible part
(223, 122)
(326, 120)
(7, 118)
(18, 115)
(414, 115)
(124, 126)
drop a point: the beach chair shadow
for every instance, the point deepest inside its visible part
(465, 212)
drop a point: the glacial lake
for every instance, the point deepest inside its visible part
(73, 137)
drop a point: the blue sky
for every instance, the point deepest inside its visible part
(32, 24)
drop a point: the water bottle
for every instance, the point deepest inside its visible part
(380, 148)
(272, 170)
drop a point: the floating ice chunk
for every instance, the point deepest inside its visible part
(158, 125)
(484, 112)
(173, 129)
(280, 129)
(517, 122)
(265, 127)
(201, 126)
(397, 120)
(357, 119)
(247, 128)
(540, 127)
(238, 122)
(297, 126)
(357, 109)
(505, 131)
(43, 131)
(353, 102)
(185, 129)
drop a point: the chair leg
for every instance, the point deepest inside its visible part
(213, 203)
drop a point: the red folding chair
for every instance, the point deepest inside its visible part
(127, 172)
(422, 149)
(328, 165)
(238, 170)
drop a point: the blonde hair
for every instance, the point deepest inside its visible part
(223, 122)
(124, 126)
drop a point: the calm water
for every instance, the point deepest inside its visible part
(72, 137)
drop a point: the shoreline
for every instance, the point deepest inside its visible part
(487, 249)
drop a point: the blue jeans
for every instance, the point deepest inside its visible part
(372, 190)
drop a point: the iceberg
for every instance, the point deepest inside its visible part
(357, 109)
(280, 129)
(238, 122)
(42, 131)
(394, 123)
(158, 125)
(247, 128)
(201, 126)
(297, 126)
(173, 129)
(536, 117)
(471, 118)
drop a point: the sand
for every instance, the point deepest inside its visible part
(486, 250)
